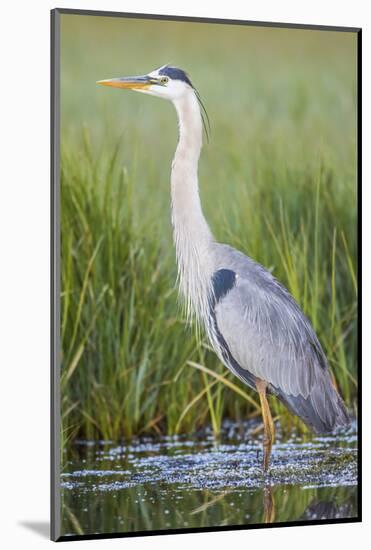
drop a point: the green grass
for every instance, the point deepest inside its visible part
(278, 181)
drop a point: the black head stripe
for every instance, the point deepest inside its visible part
(175, 74)
(178, 74)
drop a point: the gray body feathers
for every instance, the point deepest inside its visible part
(259, 331)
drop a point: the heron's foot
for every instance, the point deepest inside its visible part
(266, 459)
(267, 450)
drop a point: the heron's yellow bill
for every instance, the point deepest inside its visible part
(130, 82)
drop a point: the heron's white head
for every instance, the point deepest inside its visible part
(167, 82)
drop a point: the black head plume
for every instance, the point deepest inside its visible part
(178, 74)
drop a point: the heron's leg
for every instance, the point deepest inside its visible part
(268, 439)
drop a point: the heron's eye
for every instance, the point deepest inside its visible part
(164, 80)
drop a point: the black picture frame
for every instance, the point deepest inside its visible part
(55, 269)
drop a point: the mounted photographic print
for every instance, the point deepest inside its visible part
(205, 192)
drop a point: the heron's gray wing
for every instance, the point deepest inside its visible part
(268, 336)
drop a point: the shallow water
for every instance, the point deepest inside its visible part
(198, 481)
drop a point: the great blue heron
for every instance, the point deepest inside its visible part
(254, 325)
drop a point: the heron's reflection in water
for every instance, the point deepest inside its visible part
(319, 509)
(269, 508)
(316, 509)
(268, 504)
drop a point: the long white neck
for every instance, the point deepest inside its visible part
(192, 236)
